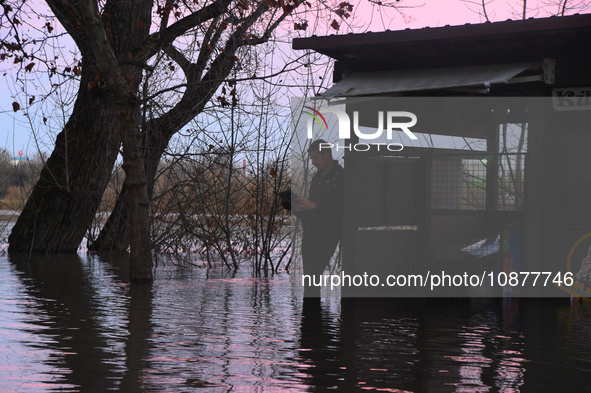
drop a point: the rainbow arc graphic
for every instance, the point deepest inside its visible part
(315, 115)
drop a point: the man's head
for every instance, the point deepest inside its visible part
(321, 156)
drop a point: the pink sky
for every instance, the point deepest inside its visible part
(16, 135)
(437, 13)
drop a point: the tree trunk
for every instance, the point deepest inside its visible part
(69, 190)
(114, 235)
(128, 113)
(138, 203)
(65, 199)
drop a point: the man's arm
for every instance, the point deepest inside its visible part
(326, 202)
(306, 204)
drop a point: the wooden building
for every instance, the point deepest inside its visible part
(524, 207)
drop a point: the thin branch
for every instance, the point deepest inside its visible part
(218, 8)
(203, 82)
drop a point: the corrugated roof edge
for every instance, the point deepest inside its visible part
(435, 33)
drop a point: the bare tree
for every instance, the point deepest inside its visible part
(116, 50)
(123, 47)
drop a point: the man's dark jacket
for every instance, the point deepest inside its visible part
(323, 225)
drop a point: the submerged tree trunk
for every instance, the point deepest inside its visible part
(68, 193)
(115, 234)
(128, 113)
(69, 190)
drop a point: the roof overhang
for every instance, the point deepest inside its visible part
(401, 81)
(514, 41)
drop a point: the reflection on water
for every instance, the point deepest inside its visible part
(73, 323)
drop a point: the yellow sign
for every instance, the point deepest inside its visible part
(582, 279)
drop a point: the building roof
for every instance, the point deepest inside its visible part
(512, 41)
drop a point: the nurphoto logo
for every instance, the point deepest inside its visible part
(394, 120)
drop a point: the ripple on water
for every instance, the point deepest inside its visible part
(72, 323)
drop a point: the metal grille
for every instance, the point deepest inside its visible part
(511, 175)
(460, 183)
(476, 204)
(450, 207)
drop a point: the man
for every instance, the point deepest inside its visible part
(321, 213)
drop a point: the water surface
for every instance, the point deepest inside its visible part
(73, 323)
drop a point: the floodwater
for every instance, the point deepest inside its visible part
(73, 323)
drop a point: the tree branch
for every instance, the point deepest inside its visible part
(199, 92)
(65, 13)
(212, 37)
(166, 37)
